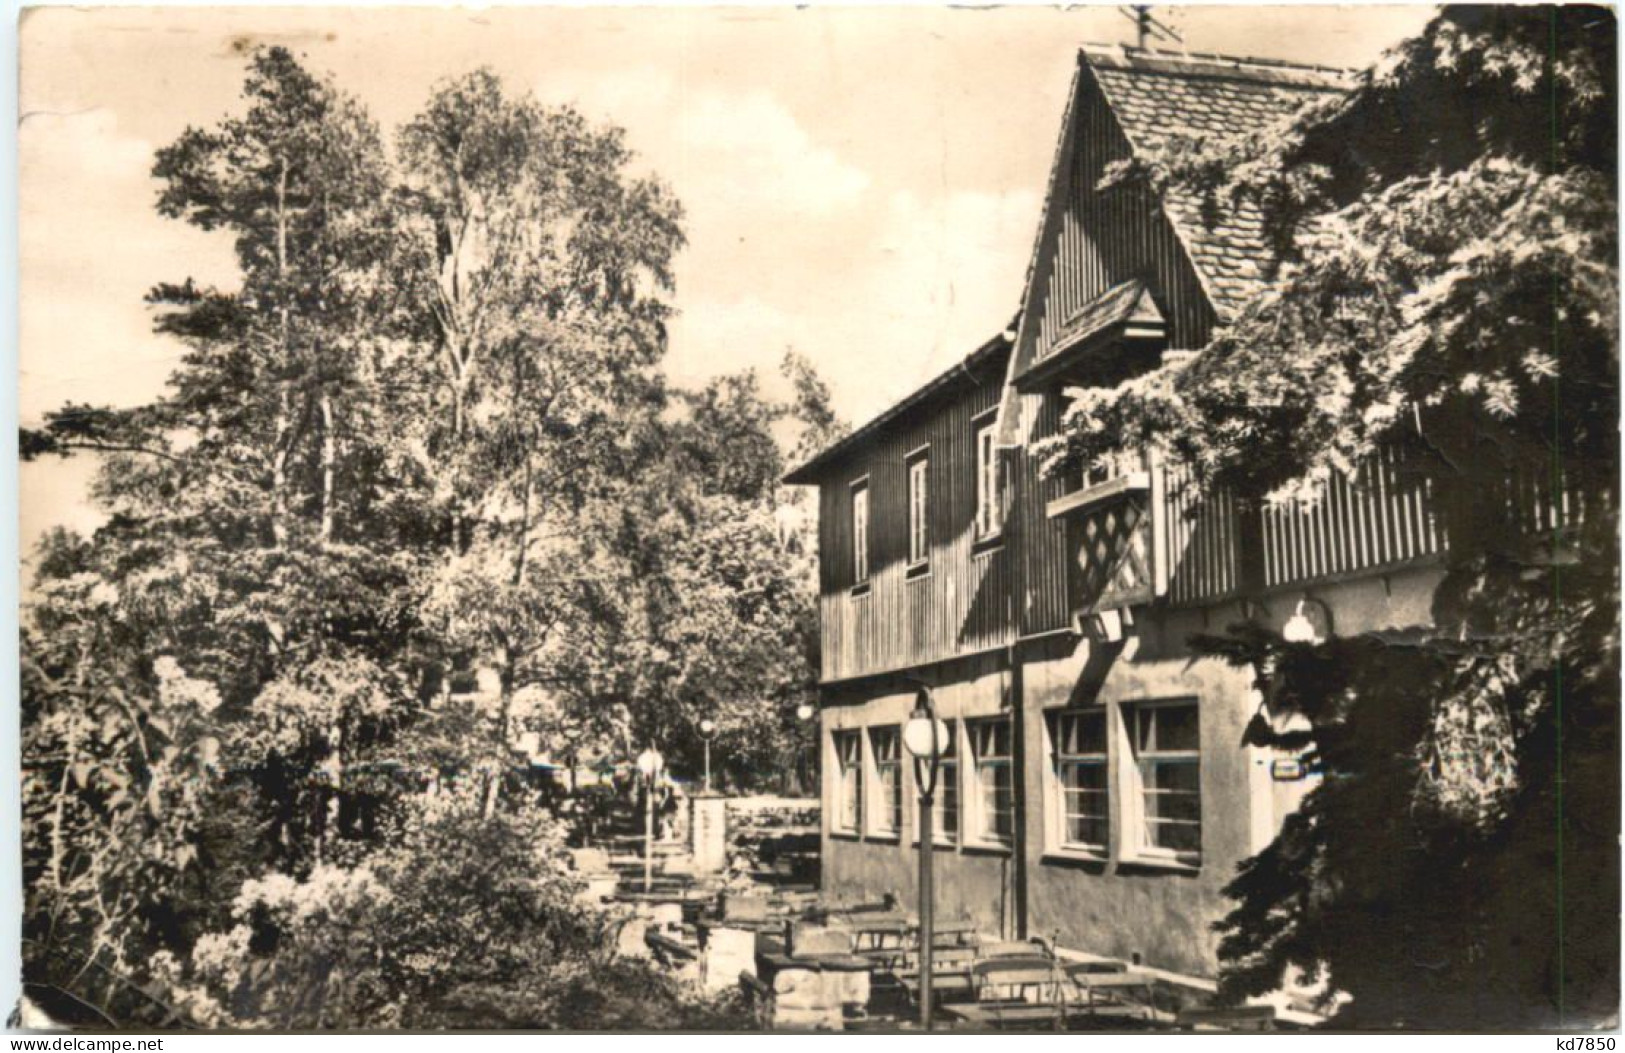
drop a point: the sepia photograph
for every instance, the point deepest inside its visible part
(817, 519)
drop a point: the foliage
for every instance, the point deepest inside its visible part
(1448, 280)
(462, 921)
(115, 784)
(702, 603)
(417, 487)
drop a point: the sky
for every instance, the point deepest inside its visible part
(860, 184)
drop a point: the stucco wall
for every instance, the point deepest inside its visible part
(1162, 914)
(971, 882)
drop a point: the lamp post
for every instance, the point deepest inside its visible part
(707, 729)
(925, 737)
(649, 764)
(572, 746)
(806, 713)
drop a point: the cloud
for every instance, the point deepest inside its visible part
(711, 338)
(721, 149)
(943, 276)
(758, 154)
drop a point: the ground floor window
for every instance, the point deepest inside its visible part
(885, 745)
(945, 806)
(1133, 770)
(1080, 778)
(994, 806)
(1167, 766)
(848, 810)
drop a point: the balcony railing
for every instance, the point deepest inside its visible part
(1204, 549)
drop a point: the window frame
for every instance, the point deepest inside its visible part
(1056, 788)
(979, 830)
(861, 540)
(1139, 844)
(887, 797)
(844, 764)
(990, 496)
(917, 472)
(949, 771)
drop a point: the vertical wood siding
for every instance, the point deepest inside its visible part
(964, 603)
(1102, 239)
(1094, 240)
(1046, 561)
(1384, 516)
(1202, 540)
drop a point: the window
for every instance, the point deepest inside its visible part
(1078, 741)
(860, 532)
(945, 806)
(1166, 740)
(994, 820)
(919, 539)
(885, 745)
(989, 499)
(849, 789)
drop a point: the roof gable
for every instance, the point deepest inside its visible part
(1159, 95)
(1127, 102)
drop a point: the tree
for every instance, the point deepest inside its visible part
(700, 604)
(417, 485)
(1448, 237)
(230, 575)
(117, 756)
(533, 270)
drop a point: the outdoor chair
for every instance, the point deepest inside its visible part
(1015, 992)
(1110, 988)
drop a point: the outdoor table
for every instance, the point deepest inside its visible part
(878, 934)
(850, 963)
(1233, 1018)
(961, 928)
(1113, 981)
(944, 982)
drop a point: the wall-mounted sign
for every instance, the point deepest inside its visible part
(1292, 769)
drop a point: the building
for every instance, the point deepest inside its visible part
(1098, 790)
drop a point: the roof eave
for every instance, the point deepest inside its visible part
(808, 473)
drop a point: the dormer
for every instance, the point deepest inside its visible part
(1113, 337)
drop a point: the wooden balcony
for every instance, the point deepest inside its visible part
(1201, 548)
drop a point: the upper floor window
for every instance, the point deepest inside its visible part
(919, 537)
(860, 531)
(989, 498)
(848, 812)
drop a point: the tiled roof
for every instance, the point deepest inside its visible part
(1121, 303)
(1128, 305)
(1158, 95)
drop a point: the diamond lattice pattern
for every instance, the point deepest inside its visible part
(1114, 555)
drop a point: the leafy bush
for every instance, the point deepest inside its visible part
(463, 921)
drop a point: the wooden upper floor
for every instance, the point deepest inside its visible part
(940, 537)
(913, 567)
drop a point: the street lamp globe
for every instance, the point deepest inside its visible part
(1309, 624)
(650, 762)
(804, 712)
(924, 736)
(708, 728)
